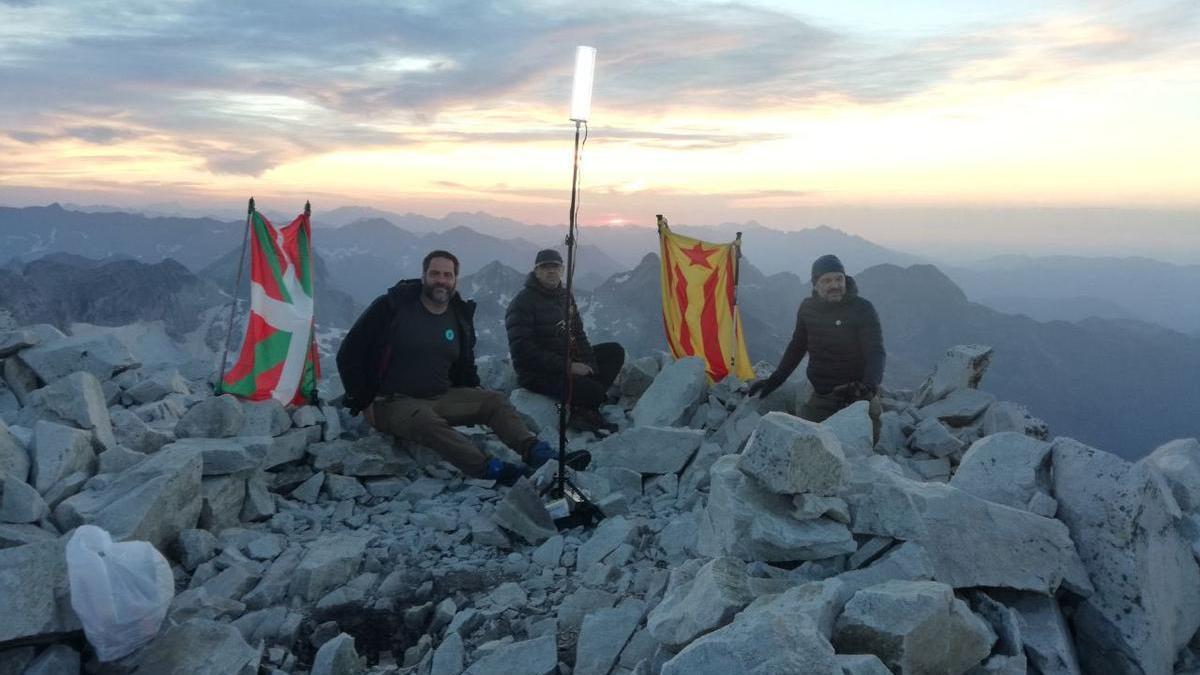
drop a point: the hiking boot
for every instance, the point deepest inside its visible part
(542, 453)
(505, 473)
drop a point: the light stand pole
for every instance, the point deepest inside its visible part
(567, 497)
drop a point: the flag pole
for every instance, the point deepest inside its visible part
(737, 272)
(233, 303)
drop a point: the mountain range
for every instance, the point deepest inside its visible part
(1106, 376)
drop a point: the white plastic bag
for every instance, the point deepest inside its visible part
(120, 591)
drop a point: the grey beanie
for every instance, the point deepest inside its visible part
(826, 264)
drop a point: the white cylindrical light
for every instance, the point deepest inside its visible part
(581, 91)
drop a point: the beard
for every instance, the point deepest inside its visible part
(437, 293)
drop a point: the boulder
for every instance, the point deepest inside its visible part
(523, 513)
(914, 627)
(1146, 605)
(637, 376)
(55, 660)
(77, 398)
(962, 367)
(132, 432)
(337, 657)
(852, 427)
(14, 459)
(1045, 636)
(959, 409)
(221, 499)
(745, 521)
(647, 449)
(1179, 462)
(57, 452)
(21, 379)
(539, 412)
(20, 503)
(788, 456)
(100, 355)
(199, 647)
(1007, 468)
(1009, 416)
(1017, 549)
(223, 456)
(710, 600)
(604, 540)
(153, 501)
(604, 634)
(372, 455)
(673, 396)
(329, 562)
(158, 386)
(17, 339)
(37, 598)
(820, 601)
(264, 418)
(216, 417)
(538, 656)
(763, 642)
(932, 437)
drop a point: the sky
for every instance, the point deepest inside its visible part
(960, 128)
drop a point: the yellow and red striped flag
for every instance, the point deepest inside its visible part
(699, 301)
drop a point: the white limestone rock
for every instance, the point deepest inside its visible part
(539, 412)
(959, 409)
(708, 601)
(264, 418)
(100, 355)
(1007, 468)
(36, 592)
(852, 427)
(217, 417)
(1123, 518)
(20, 503)
(59, 451)
(152, 501)
(673, 396)
(745, 521)
(932, 437)
(1179, 462)
(647, 450)
(1017, 549)
(14, 459)
(763, 642)
(788, 455)
(962, 367)
(914, 627)
(79, 399)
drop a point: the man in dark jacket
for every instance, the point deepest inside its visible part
(537, 342)
(840, 332)
(408, 364)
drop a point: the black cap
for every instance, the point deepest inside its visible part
(826, 264)
(547, 256)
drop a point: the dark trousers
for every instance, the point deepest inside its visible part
(819, 407)
(431, 422)
(589, 391)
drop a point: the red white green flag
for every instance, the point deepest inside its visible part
(279, 354)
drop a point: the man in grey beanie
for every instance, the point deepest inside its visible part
(839, 330)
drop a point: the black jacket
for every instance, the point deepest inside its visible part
(843, 340)
(534, 322)
(366, 351)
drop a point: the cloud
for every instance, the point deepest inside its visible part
(312, 77)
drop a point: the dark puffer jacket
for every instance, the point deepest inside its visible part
(534, 322)
(366, 351)
(843, 340)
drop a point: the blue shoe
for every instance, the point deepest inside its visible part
(505, 473)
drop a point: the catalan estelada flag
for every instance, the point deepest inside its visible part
(279, 354)
(699, 301)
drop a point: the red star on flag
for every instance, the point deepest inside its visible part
(698, 255)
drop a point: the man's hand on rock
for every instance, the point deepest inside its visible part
(761, 388)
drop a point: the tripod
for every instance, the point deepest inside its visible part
(571, 505)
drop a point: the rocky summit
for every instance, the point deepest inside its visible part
(735, 538)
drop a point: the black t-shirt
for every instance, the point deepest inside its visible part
(424, 345)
